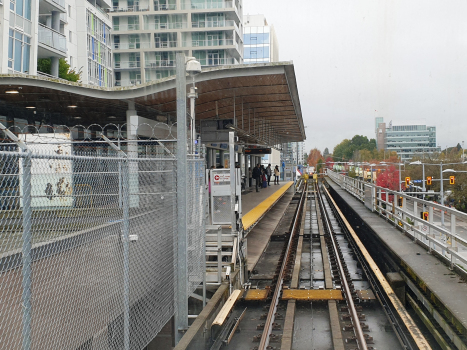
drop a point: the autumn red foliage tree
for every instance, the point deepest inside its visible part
(329, 162)
(314, 156)
(389, 179)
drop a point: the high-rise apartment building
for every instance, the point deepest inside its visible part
(75, 30)
(407, 138)
(147, 35)
(260, 41)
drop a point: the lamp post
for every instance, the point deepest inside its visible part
(371, 172)
(193, 67)
(442, 193)
(462, 150)
(183, 66)
(423, 172)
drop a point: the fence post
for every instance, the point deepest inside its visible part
(26, 252)
(126, 254)
(181, 316)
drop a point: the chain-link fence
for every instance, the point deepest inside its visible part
(88, 240)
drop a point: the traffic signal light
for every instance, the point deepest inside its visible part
(400, 200)
(428, 180)
(452, 180)
(425, 215)
(407, 181)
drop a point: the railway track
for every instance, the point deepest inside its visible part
(313, 289)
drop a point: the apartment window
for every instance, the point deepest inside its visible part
(69, 10)
(69, 36)
(21, 8)
(71, 61)
(19, 48)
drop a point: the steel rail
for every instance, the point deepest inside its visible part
(348, 294)
(264, 342)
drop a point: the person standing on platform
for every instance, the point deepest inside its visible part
(268, 174)
(257, 176)
(276, 175)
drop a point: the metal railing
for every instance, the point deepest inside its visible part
(169, 25)
(206, 42)
(135, 8)
(164, 44)
(208, 4)
(126, 27)
(213, 24)
(159, 63)
(127, 64)
(449, 240)
(128, 82)
(50, 37)
(165, 7)
(218, 61)
(129, 46)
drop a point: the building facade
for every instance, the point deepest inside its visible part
(407, 138)
(147, 35)
(54, 29)
(260, 41)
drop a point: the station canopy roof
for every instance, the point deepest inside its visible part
(263, 98)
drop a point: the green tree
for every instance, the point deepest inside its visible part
(319, 165)
(44, 65)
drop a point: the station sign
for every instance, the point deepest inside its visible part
(221, 177)
(257, 151)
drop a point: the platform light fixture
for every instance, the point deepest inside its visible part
(11, 92)
(72, 106)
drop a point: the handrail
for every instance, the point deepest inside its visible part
(441, 239)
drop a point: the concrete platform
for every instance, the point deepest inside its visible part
(256, 204)
(258, 237)
(434, 276)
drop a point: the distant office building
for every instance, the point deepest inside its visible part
(75, 30)
(260, 41)
(147, 35)
(407, 138)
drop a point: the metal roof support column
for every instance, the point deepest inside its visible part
(235, 115)
(243, 127)
(254, 122)
(249, 120)
(181, 315)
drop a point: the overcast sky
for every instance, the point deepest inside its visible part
(356, 60)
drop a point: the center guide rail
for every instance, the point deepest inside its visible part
(345, 284)
(264, 342)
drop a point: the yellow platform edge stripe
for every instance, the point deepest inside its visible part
(250, 218)
(312, 294)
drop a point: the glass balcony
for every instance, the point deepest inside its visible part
(125, 27)
(127, 82)
(207, 4)
(52, 38)
(210, 42)
(164, 44)
(130, 46)
(160, 63)
(59, 2)
(216, 61)
(135, 8)
(213, 24)
(127, 64)
(164, 7)
(159, 26)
